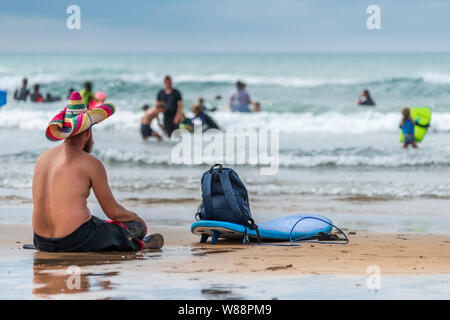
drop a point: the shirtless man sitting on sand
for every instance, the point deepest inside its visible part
(62, 181)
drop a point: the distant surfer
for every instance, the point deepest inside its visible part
(239, 99)
(207, 121)
(365, 99)
(147, 118)
(174, 105)
(201, 102)
(50, 98)
(407, 125)
(22, 93)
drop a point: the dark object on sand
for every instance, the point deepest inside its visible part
(29, 246)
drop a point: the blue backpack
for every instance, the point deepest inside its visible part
(225, 198)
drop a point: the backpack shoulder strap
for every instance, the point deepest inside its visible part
(229, 194)
(206, 194)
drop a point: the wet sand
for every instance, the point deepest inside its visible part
(395, 254)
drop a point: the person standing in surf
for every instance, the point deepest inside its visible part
(174, 105)
(407, 125)
(63, 178)
(21, 94)
(36, 95)
(239, 99)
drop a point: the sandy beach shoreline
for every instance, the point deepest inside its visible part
(396, 254)
(186, 269)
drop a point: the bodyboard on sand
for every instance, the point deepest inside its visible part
(277, 229)
(422, 116)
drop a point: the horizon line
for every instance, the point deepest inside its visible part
(143, 52)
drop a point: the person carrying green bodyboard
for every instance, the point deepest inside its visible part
(414, 125)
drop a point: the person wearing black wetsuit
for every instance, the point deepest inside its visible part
(365, 99)
(174, 105)
(207, 121)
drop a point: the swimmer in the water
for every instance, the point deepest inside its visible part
(147, 118)
(201, 102)
(365, 99)
(256, 107)
(207, 121)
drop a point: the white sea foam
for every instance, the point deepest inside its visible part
(328, 122)
(10, 80)
(435, 78)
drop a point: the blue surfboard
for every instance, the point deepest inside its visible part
(278, 229)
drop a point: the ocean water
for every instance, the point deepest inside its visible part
(329, 147)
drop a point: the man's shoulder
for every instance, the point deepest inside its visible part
(89, 159)
(50, 152)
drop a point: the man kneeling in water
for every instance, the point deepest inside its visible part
(147, 118)
(62, 181)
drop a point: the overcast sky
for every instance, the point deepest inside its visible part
(224, 26)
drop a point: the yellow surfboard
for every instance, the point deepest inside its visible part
(422, 116)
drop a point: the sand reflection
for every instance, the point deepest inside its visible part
(69, 273)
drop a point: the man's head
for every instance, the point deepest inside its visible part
(88, 86)
(24, 82)
(76, 118)
(36, 88)
(145, 107)
(160, 106)
(84, 140)
(167, 82)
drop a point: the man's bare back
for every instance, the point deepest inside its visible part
(62, 181)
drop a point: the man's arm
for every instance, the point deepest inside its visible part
(105, 197)
(176, 119)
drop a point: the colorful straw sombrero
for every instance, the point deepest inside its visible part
(76, 118)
